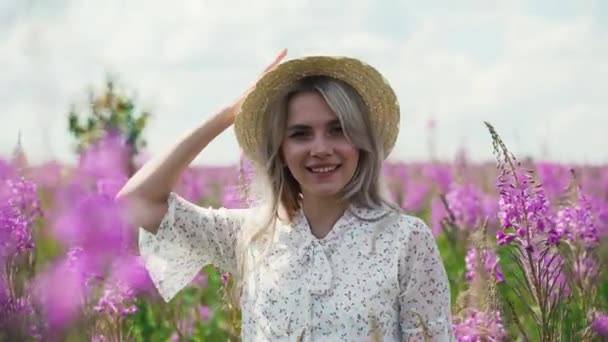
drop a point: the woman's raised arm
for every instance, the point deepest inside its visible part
(146, 192)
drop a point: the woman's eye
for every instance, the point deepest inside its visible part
(336, 130)
(297, 135)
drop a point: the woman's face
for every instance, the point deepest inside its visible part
(315, 149)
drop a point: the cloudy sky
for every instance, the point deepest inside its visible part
(537, 70)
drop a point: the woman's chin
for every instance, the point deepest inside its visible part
(325, 191)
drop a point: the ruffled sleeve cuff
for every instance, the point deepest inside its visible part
(168, 255)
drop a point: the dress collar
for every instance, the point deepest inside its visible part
(351, 214)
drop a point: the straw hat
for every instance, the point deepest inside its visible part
(377, 94)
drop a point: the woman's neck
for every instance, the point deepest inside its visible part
(322, 214)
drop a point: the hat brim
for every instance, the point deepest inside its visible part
(373, 88)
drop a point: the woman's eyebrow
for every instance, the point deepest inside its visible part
(300, 127)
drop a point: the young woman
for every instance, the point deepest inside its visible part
(321, 254)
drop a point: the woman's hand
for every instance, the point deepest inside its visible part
(232, 111)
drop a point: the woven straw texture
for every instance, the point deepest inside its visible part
(366, 80)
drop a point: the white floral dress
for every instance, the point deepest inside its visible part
(376, 274)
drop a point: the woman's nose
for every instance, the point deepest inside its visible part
(321, 147)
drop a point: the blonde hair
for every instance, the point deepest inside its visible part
(276, 190)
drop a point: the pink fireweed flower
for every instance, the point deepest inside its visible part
(440, 175)
(6, 170)
(524, 208)
(600, 208)
(19, 208)
(47, 175)
(232, 198)
(478, 326)
(489, 263)
(130, 271)
(468, 204)
(109, 187)
(200, 281)
(554, 177)
(128, 277)
(187, 324)
(578, 223)
(586, 271)
(95, 223)
(191, 185)
(116, 300)
(17, 315)
(225, 278)
(204, 312)
(415, 194)
(99, 338)
(600, 325)
(61, 291)
(110, 157)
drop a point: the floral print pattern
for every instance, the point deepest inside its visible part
(377, 273)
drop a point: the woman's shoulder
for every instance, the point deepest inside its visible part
(391, 216)
(404, 224)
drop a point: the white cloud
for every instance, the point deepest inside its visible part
(543, 67)
(459, 65)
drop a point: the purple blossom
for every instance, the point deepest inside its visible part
(586, 270)
(478, 326)
(6, 170)
(130, 271)
(467, 203)
(19, 207)
(578, 223)
(187, 324)
(191, 185)
(109, 187)
(415, 195)
(232, 199)
(95, 223)
(396, 176)
(504, 238)
(600, 208)
(524, 208)
(116, 300)
(110, 157)
(600, 325)
(225, 277)
(439, 174)
(48, 175)
(17, 314)
(204, 312)
(200, 281)
(489, 263)
(61, 291)
(594, 181)
(554, 177)
(78, 261)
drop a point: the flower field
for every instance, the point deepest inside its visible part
(524, 243)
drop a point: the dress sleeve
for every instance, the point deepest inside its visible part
(424, 301)
(188, 238)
